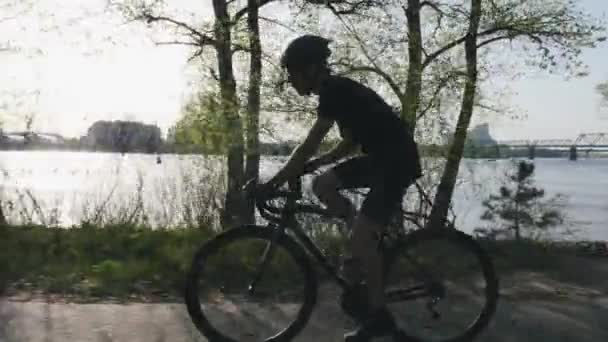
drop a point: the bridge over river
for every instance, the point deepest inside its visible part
(585, 142)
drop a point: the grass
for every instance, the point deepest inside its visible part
(124, 262)
(130, 262)
(528, 255)
(88, 262)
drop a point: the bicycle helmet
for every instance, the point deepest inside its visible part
(306, 50)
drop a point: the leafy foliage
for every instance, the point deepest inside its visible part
(557, 30)
(202, 125)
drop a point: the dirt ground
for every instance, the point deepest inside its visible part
(568, 306)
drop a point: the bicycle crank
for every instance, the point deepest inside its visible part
(437, 292)
(430, 305)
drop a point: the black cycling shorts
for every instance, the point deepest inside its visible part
(387, 183)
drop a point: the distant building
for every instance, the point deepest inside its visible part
(480, 135)
(123, 136)
(30, 140)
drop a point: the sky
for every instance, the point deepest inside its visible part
(76, 65)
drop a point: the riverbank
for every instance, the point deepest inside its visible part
(135, 263)
(69, 188)
(533, 306)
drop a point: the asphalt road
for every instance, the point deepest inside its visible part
(579, 318)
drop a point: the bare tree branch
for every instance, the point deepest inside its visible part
(243, 11)
(198, 53)
(441, 14)
(394, 86)
(346, 7)
(492, 40)
(374, 68)
(488, 107)
(278, 23)
(508, 21)
(431, 57)
(201, 38)
(443, 82)
(176, 42)
(433, 6)
(246, 48)
(213, 74)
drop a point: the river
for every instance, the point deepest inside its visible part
(69, 186)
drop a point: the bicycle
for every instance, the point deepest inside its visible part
(283, 232)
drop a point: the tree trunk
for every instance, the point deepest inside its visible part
(411, 100)
(517, 230)
(445, 190)
(252, 168)
(233, 212)
(3, 221)
(517, 212)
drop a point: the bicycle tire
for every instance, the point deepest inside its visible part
(488, 270)
(298, 255)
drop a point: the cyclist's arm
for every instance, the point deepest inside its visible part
(344, 148)
(303, 152)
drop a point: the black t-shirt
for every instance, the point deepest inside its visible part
(382, 134)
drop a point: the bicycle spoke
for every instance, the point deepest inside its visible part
(437, 299)
(247, 278)
(411, 293)
(264, 259)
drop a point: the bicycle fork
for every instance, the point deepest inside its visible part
(263, 261)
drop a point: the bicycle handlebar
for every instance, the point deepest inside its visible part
(294, 193)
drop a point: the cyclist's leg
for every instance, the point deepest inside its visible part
(384, 197)
(376, 211)
(353, 173)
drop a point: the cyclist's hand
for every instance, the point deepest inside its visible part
(250, 187)
(265, 190)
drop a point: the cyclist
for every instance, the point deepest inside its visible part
(388, 164)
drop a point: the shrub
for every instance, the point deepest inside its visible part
(520, 207)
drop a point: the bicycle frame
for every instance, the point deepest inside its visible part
(288, 222)
(312, 249)
(410, 293)
(283, 219)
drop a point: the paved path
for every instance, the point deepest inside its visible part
(570, 319)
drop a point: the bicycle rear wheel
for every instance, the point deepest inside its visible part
(226, 268)
(440, 285)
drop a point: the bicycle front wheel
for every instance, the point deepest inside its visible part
(248, 285)
(441, 286)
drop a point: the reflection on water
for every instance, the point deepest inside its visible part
(72, 181)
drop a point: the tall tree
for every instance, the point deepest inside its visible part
(220, 38)
(446, 187)
(414, 74)
(234, 207)
(252, 167)
(557, 28)
(547, 31)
